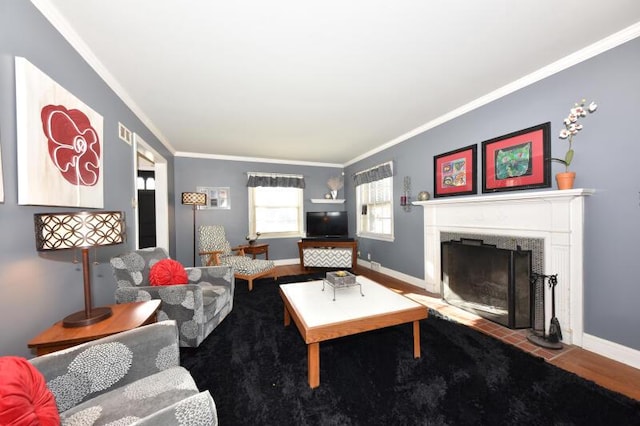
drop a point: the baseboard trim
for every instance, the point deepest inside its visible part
(418, 282)
(281, 262)
(611, 350)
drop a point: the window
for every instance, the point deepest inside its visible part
(374, 203)
(151, 183)
(145, 180)
(276, 211)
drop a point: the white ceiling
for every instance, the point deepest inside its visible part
(323, 81)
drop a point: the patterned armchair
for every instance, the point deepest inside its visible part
(198, 307)
(133, 377)
(216, 250)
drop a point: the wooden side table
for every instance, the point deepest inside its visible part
(126, 316)
(256, 249)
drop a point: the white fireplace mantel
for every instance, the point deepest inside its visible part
(557, 217)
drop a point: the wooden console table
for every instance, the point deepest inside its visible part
(255, 249)
(126, 316)
(328, 244)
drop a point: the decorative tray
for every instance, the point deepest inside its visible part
(341, 279)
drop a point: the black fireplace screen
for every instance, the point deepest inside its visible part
(488, 281)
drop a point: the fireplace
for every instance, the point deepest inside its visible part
(491, 282)
(555, 217)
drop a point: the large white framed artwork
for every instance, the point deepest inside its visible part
(59, 143)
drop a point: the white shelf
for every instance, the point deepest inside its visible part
(327, 201)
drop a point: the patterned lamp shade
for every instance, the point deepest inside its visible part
(194, 198)
(83, 230)
(58, 231)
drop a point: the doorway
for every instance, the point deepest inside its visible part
(146, 203)
(151, 208)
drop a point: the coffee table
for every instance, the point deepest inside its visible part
(319, 318)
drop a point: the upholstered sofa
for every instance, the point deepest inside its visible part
(197, 306)
(133, 377)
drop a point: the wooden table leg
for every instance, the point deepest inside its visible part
(313, 364)
(287, 317)
(416, 339)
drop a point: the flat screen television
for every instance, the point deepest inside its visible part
(327, 224)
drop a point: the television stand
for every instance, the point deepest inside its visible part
(328, 253)
(329, 239)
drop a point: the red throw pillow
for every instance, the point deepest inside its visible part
(24, 396)
(168, 272)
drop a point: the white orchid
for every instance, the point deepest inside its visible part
(572, 127)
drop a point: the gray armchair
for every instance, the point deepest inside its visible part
(216, 250)
(133, 377)
(198, 307)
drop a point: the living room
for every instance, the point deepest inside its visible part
(36, 290)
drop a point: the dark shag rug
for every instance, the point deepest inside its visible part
(256, 371)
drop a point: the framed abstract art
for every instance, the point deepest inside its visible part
(519, 160)
(59, 143)
(454, 172)
(217, 197)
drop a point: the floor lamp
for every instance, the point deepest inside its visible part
(194, 199)
(83, 230)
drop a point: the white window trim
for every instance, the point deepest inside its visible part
(371, 235)
(271, 235)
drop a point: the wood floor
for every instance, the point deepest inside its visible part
(604, 371)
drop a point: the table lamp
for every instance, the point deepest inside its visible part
(83, 230)
(194, 199)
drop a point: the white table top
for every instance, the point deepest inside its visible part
(317, 307)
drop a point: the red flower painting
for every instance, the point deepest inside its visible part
(74, 145)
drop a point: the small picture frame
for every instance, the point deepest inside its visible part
(454, 172)
(217, 197)
(517, 161)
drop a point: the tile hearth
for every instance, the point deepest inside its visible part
(516, 338)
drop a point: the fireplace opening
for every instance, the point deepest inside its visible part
(488, 281)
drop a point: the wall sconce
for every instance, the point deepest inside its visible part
(59, 231)
(194, 199)
(405, 198)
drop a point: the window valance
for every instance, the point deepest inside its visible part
(274, 180)
(373, 174)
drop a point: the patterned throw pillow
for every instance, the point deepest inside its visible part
(168, 272)
(24, 396)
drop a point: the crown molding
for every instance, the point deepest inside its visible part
(575, 58)
(255, 159)
(51, 13)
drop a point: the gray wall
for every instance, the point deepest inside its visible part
(606, 159)
(195, 172)
(37, 290)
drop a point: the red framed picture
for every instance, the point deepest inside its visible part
(454, 172)
(519, 160)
